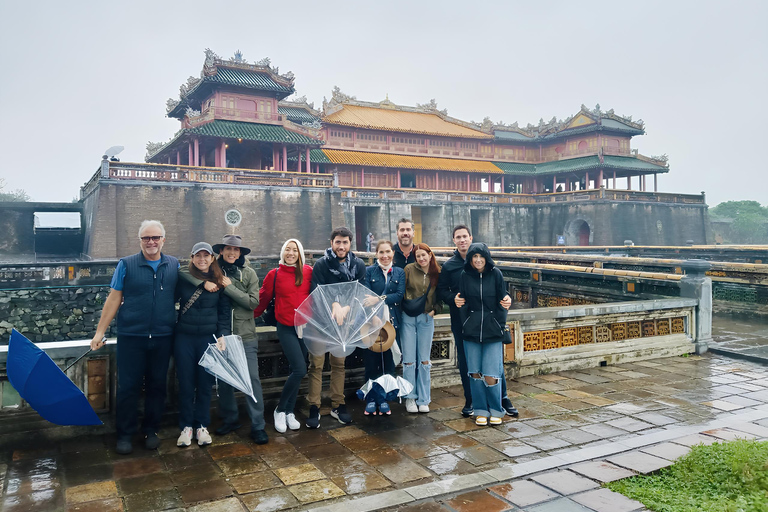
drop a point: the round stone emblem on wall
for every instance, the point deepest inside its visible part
(233, 217)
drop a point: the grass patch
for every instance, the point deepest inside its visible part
(722, 477)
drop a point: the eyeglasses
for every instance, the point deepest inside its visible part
(146, 239)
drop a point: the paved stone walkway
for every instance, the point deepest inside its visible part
(576, 430)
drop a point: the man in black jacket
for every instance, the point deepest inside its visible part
(404, 253)
(447, 288)
(339, 265)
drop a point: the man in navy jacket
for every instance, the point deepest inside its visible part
(142, 298)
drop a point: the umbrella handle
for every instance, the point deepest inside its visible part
(76, 360)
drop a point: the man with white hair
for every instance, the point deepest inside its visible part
(142, 298)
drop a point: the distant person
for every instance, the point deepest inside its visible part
(289, 284)
(369, 241)
(142, 298)
(204, 318)
(338, 265)
(388, 284)
(483, 301)
(421, 278)
(404, 248)
(241, 286)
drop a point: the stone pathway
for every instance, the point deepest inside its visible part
(576, 430)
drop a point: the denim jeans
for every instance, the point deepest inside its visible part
(296, 354)
(458, 341)
(416, 336)
(140, 358)
(228, 404)
(195, 384)
(485, 359)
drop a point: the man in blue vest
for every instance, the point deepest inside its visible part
(142, 296)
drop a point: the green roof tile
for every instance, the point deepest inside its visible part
(250, 79)
(626, 163)
(316, 156)
(297, 115)
(253, 131)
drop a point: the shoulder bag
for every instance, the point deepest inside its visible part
(269, 313)
(415, 307)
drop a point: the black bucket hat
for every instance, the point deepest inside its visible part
(233, 241)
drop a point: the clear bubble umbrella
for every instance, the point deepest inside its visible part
(337, 318)
(226, 361)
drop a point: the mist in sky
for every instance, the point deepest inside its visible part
(79, 77)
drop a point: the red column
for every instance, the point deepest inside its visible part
(309, 169)
(178, 157)
(601, 178)
(468, 187)
(298, 160)
(223, 157)
(285, 158)
(614, 179)
(191, 160)
(398, 178)
(554, 183)
(197, 153)
(362, 176)
(274, 158)
(586, 181)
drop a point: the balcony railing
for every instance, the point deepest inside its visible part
(235, 114)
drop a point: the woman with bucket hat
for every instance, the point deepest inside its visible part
(241, 285)
(203, 315)
(388, 283)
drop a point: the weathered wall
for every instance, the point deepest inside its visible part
(17, 235)
(192, 213)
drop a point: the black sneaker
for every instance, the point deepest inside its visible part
(226, 428)
(468, 411)
(151, 441)
(506, 403)
(259, 436)
(124, 445)
(341, 414)
(313, 420)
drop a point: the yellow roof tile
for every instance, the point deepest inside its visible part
(409, 162)
(401, 121)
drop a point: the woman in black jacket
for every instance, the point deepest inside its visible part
(203, 316)
(484, 301)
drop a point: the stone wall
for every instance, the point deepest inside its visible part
(52, 314)
(195, 212)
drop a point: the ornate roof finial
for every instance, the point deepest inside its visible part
(238, 56)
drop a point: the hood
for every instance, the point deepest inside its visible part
(481, 249)
(300, 263)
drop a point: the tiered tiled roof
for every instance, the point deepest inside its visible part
(387, 116)
(585, 163)
(409, 162)
(252, 131)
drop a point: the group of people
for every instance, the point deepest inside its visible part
(162, 309)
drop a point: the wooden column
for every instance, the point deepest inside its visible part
(586, 181)
(191, 158)
(614, 179)
(285, 158)
(298, 159)
(309, 169)
(223, 154)
(178, 157)
(600, 179)
(629, 182)
(197, 153)
(655, 182)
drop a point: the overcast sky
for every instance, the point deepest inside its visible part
(79, 77)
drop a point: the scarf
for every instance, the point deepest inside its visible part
(386, 270)
(344, 267)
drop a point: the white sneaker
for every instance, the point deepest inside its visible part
(424, 408)
(203, 437)
(293, 423)
(185, 438)
(410, 405)
(279, 421)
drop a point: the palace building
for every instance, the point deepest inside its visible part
(378, 161)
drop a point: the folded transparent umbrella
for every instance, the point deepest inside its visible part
(384, 389)
(228, 363)
(355, 326)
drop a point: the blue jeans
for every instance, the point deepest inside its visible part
(228, 404)
(458, 341)
(296, 354)
(485, 360)
(416, 336)
(195, 384)
(140, 358)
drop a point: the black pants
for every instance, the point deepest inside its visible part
(141, 359)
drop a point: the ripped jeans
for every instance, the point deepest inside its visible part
(416, 344)
(485, 362)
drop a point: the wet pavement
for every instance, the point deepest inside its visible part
(741, 337)
(576, 430)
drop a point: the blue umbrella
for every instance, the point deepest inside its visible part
(44, 386)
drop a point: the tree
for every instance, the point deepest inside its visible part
(748, 221)
(17, 195)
